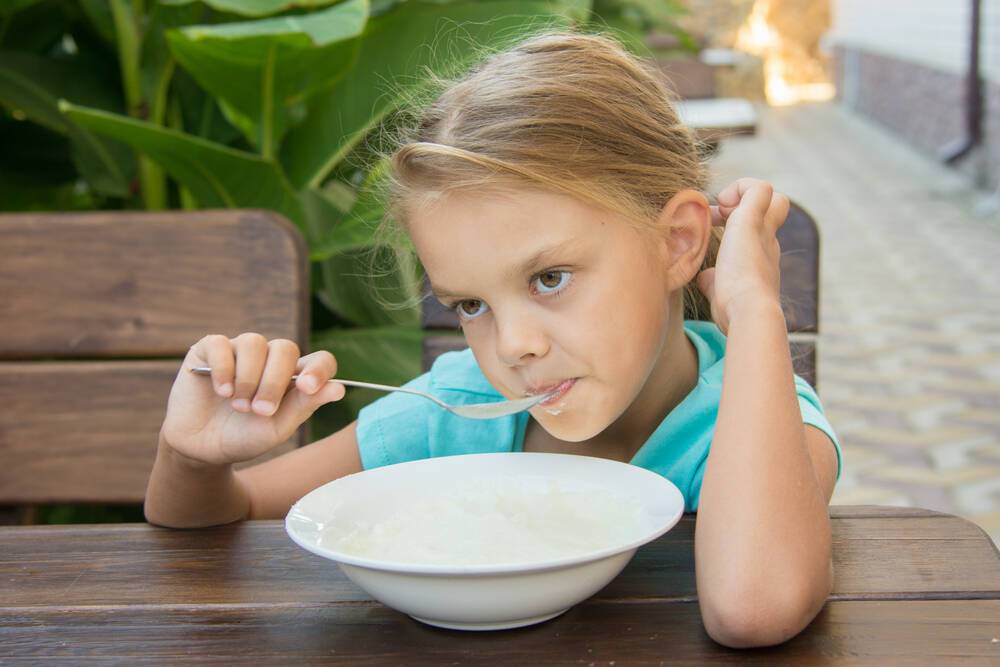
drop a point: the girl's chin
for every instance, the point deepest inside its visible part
(569, 425)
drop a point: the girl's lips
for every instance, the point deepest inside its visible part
(560, 391)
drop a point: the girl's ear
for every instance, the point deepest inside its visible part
(685, 226)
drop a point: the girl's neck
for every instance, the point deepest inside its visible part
(673, 377)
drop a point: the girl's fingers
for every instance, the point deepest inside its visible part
(282, 356)
(314, 371)
(732, 194)
(777, 212)
(251, 354)
(298, 406)
(757, 199)
(718, 219)
(215, 351)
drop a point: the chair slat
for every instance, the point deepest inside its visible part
(83, 431)
(136, 284)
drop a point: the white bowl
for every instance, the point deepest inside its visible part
(481, 596)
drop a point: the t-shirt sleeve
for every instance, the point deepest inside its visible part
(812, 413)
(394, 428)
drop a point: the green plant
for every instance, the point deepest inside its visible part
(632, 19)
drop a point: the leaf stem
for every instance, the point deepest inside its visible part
(128, 37)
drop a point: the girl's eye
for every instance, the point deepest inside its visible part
(552, 281)
(470, 308)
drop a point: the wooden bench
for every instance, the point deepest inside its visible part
(719, 118)
(799, 239)
(98, 310)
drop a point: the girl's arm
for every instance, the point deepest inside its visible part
(183, 493)
(274, 486)
(762, 537)
(248, 407)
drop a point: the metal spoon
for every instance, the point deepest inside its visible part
(473, 411)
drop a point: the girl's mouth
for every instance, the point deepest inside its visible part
(560, 392)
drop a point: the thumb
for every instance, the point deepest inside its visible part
(333, 391)
(706, 283)
(299, 406)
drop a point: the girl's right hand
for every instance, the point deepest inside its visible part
(249, 405)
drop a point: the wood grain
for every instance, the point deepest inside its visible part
(137, 284)
(936, 556)
(912, 586)
(596, 632)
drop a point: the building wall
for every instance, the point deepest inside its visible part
(934, 33)
(903, 64)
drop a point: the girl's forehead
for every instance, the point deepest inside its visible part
(501, 212)
(501, 236)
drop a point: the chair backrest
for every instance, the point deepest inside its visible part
(799, 240)
(98, 310)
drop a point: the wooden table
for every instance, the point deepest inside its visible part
(911, 586)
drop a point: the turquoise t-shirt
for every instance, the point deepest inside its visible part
(402, 427)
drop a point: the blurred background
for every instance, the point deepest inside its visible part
(880, 119)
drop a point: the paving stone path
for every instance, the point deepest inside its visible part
(909, 347)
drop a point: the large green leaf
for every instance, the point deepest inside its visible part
(396, 50)
(8, 7)
(371, 286)
(33, 85)
(262, 68)
(358, 279)
(98, 12)
(255, 7)
(337, 228)
(333, 229)
(156, 60)
(38, 27)
(384, 355)
(660, 14)
(216, 175)
(199, 112)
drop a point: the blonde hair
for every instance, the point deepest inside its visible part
(563, 112)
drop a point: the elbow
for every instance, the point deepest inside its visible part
(763, 618)
(152, 517)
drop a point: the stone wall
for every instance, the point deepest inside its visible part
(924, 105)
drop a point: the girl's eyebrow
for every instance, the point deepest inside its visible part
(528, 265)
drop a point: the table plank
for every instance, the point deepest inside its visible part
(878, 554)
(931, 632)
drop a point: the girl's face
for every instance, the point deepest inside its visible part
(551, 292)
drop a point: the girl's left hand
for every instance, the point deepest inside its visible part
(746, 273)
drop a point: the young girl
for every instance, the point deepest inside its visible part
(556, 203)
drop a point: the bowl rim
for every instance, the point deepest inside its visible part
(486, 568)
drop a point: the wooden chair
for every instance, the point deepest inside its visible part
(799, 239)
(98, 309)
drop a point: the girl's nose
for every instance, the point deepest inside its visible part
(518, 338)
